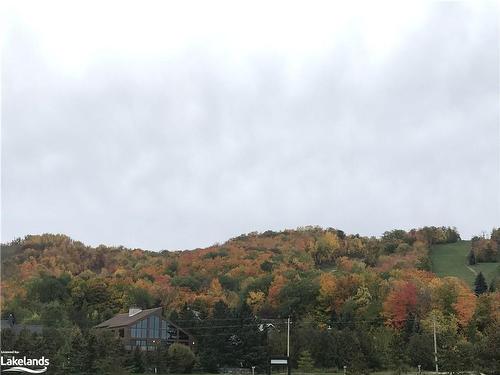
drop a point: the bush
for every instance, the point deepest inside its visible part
(181, 358)
(305, 362)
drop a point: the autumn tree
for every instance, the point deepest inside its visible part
(400, 302)
(255, 300)
(495, 235)
(326, 248)
(486, 250)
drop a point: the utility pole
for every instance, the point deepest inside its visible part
(435, 346)
(288, 340)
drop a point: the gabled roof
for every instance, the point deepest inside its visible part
(124, 319)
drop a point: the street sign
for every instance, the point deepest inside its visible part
(279, 362)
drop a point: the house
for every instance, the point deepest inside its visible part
(146, 329)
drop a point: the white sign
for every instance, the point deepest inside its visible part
(279, 361)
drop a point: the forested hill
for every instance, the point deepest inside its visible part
(372, 301)
(276, 273)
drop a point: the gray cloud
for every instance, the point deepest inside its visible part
(192, 149)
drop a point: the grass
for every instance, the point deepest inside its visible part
(451, 260)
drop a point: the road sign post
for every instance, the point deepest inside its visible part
(280, 361)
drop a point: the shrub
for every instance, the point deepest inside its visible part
(181, 358)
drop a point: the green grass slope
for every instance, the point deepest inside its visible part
(451, 260)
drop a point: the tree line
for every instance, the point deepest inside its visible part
(362, 302)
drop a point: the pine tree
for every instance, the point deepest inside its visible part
(471, 258)
(305, 362)
(397, 354)
(138, 365)
(77, 354)
(480, 285)
(492, 286)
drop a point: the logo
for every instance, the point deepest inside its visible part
(23, 364)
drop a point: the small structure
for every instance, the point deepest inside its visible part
(279, 363)
(146, 330)
(10, 324)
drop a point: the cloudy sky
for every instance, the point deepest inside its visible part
(165, 126)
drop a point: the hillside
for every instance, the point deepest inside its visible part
(253, 262)
(371, 302)
(451, 260)
(276, 273)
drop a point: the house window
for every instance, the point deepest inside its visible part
(172, 332)
(139, 329)
(121, 332)
(154, 327)
(140, 343)
(164, 330)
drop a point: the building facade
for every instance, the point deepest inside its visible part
(146, 330)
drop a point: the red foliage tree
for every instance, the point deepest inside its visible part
(400, 302)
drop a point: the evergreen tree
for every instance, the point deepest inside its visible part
(420, 351)
(138, 366)
(8, 339)
(480, 285)
(181, 358)
(28, 343)
(108, 352)
(208, 360)
(56, 346)
(215, 349)
(397, 354)
(410, 327)
(492, 288)
(305, 362)
(358, 365)
(486, 352)
(471, 258)
(161, 358)
(77, 363)
(251, 341)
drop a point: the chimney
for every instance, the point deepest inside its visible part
(133, 310)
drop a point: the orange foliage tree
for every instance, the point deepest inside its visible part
(400, 302)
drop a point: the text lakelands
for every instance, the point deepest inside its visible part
(13, 361)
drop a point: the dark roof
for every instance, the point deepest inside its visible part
(4, 323)
(17, 328)
(124, 319)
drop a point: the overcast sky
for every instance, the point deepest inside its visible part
(172, 127)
